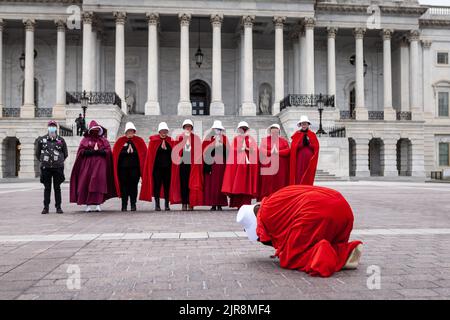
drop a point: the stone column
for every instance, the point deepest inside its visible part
(360, 107)
(217, 107)
(390, 156)
(98, 60)
(331, 61)
(309, 63)
(121, 17)
(241, 70)
(59, 109)
(28, 108)
(2, 24)
(248, 105)
(427, 89)
(152, 105)
(296, 53)
(389, 112)
(404, 75)
(302, 61)
(416, 109)
(87, 43)
(279, 64)
(94, 54)
(184, 105)
(362, 157)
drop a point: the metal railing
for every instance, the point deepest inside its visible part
(43, 112)
(404, 115)
(306, 100)
(336, 132)
(347, 115)
(376, 115)
(65, 131)
(94, 97)
(38, 112)
(11, 112)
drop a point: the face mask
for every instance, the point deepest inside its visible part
(52, 129)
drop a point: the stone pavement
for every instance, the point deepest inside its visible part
(405, 228)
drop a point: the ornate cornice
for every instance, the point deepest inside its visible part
(359, 33)
(331, 32)
(216, 20)
(278, 22)
(434, 23)
(247, 21)
(360, 8)
(152, 18)
(121, 17)
(29, 24)
(185, 19)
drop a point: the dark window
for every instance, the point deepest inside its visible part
(443, 104)
(444, 154)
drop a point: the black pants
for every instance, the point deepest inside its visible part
(47, 175)
(161, 177)
(79, 131)
(185, 172)
(129, 180)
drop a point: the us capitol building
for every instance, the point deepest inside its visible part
(379, 70)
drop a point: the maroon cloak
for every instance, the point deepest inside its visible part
(240, 181)
(309, 227)
(269, 183)
(92, 178)
(303, 159)
(213, 179)
(147, 192)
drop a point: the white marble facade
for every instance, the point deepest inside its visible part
(110, 49)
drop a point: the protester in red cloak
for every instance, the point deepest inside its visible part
(304, 154)
(309, 227)
(274, 162)
(158, 168)
(92, 178)
(187, 172)
(240, 181)
(215, 148)
(128, 157)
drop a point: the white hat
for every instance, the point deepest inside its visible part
(163, 126)
(303, 119)
(275, 125)
(243, 124)
(130, 126)
(246, 218)
(217, 125)
(187, 121)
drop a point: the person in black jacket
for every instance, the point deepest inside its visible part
(51, 151)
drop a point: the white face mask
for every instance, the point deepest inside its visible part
(52, 130)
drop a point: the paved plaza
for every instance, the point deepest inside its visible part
(405, 228)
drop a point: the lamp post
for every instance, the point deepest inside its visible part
(320, 107)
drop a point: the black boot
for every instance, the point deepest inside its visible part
(213, 208)
(219, 208)
(157, 205)
(133, 207)
(124, 204)
(45, 211)
(166, 206)
(184, 207)
(59, 210)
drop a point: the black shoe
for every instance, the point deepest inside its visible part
(157, 205)
(219, 208)
(45, 211)
(213, 208)
(184, 207)
(59, 210)
(124, 209)
(133, 207)
(166, 206)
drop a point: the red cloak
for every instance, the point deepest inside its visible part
(141, 150)
(241, 172)
(92, 177)
(310, 172)
(212, 193)
(196, 175)
(147, 191)
(269, 183)
(309, 227)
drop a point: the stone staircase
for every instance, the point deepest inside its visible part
(148, 125)
(322, 175)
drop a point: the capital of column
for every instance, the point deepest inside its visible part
(216, 20)
(387, 34)
(87, 17)
(309, 23)
(247, 21)
(278, 22)
(414, 35)
(29, 24)
(427, 44)
(185, 19)
(152, 18)
(60, 25)
(121, 17)
(2, 24)
(359, 33)
(332, 31)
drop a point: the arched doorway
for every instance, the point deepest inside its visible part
(376, 157)
(352, 157)
(11, 157)
(200, 97)
(404, 157)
